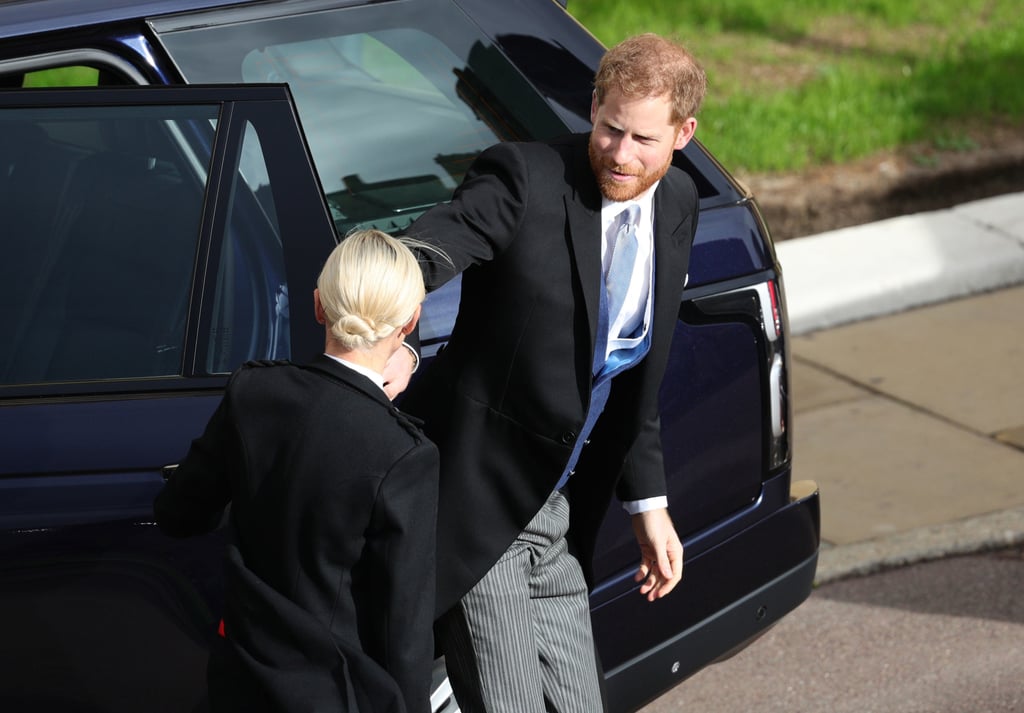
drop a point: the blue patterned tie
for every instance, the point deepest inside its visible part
(621, 256)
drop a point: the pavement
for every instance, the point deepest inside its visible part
(907, 372)
(934, 637)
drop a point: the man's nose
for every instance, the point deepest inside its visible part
(622, 150)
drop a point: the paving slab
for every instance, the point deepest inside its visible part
(1013, 437)
(814, 387)
(884, 468)
(961, 360)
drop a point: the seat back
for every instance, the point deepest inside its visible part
(109, 297)
(33, 173)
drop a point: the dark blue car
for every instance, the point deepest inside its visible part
(165, 206)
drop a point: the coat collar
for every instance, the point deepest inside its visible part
(338, 372)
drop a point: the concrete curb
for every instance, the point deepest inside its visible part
(886, 267)
(972, 535)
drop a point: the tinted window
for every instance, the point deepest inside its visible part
(101, 213)
(395, 105)
(250, 292)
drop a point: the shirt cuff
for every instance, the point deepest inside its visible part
(635, 507)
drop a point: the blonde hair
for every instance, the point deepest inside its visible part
(370, 286)
(649, 65)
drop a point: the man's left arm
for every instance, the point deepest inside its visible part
(642, 488)
(642, 491)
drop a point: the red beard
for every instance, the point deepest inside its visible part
(615, 191)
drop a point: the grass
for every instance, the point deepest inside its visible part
(800, 83)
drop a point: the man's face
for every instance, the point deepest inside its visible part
(632, 143)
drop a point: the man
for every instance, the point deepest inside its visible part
(545, 400)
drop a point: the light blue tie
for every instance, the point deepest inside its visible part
(617, 272)
(622, 250)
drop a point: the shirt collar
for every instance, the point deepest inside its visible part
(610, 209)
(360, 369)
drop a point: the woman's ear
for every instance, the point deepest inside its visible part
(318, 307)
(411, 324)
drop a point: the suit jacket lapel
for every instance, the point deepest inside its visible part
(583, 209)
(669, 248)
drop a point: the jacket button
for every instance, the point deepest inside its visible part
(568, 438)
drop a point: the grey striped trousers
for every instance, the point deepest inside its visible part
(520, 641)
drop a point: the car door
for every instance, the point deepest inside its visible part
(153, 239)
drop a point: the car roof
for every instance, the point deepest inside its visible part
(25, 17)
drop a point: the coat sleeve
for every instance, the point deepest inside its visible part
(482, 218)
(193, 500)
(400, 553)
(643, 470)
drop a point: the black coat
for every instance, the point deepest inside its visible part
(330, 566)
(508, 396)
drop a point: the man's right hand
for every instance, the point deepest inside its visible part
(398, 371)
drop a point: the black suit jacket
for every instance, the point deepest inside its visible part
(507, 397)
(330, 564)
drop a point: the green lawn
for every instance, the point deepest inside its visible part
(796, 83)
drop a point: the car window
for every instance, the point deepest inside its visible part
(394, 105)
(250, 291)
(102, 209)
(101, 217)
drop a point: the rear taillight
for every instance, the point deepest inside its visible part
(772, 324)
(763, 304)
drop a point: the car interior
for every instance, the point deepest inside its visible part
(115, 206)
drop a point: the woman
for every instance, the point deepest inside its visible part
(329, 571)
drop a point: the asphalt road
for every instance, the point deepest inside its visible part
(940, 637)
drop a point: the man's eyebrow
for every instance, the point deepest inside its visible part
(647, 137)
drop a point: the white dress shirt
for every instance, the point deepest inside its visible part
(639, 298)
(637, 305)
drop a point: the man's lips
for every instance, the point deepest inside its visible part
(619, 175)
